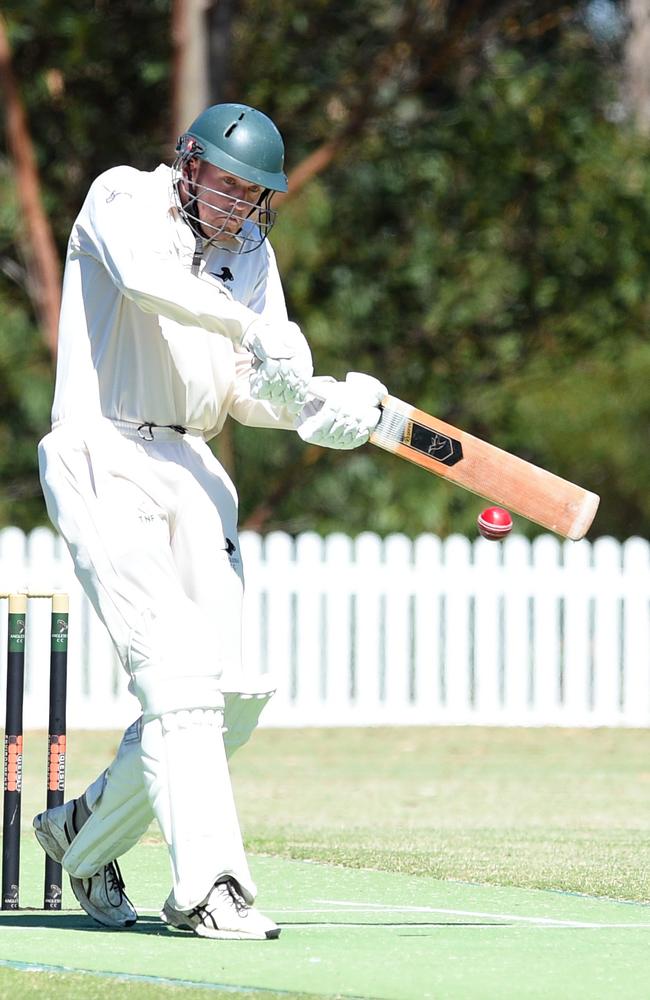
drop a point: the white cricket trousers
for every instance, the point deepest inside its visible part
(152, 530)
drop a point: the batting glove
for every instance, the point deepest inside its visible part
(346, 416)
(282, 366)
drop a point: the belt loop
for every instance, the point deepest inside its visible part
(145, 431)
(148, 431)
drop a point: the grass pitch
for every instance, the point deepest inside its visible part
(538, 808)
(440, 839)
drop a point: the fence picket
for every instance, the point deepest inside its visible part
(458, 630)
(487, 665)
(578, 590)
(368, 645)
(41, 570)
(607, 632)
(428, 588)
(398, 664)
(517, 651)
(277, 639)
(337, 632)
(636, 631)
(388, 631)
(547, 662)
(310, 666)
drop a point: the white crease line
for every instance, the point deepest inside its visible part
(385, 908)
(343, 925)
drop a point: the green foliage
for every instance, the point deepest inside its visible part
(94, 80)
(25, 377)
(479, 241)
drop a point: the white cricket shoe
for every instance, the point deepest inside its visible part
(224, 913)
(102, 896)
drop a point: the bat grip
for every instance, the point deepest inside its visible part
(314, 390)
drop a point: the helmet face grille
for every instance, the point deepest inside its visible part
(241, 226)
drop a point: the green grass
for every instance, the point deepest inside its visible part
(535, 808)
(539, 808)
(70, 986)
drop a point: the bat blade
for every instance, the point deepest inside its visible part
(496, 475)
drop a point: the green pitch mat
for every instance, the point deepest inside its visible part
(346, 933)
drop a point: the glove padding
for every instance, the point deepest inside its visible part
(282, 366)
(348, 414)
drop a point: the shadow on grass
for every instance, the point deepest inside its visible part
(74, 920)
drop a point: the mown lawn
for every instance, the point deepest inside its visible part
(545, 808)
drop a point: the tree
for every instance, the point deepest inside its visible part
(469, 221)
(39, 251)
(473, 240)
(93, 80)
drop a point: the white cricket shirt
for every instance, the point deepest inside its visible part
(140, 337)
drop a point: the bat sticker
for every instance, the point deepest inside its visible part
(440, 447)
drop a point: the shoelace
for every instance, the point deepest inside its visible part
(114, 883)
(229, 894)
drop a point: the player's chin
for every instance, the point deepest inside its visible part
(218, 226)
(226, 230)
(226, 240)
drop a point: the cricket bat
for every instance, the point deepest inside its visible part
(502, 478)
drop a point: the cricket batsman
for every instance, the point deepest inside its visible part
(173, 318)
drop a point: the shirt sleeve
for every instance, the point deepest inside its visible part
(268, 301)
(268, 296)
(117, 226)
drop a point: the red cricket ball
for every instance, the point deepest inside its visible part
(494, 523)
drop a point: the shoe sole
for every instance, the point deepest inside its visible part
(175, 924)
(77, 886)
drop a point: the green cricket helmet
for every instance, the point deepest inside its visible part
(245, 143)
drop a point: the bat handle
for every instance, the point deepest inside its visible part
(315, 390)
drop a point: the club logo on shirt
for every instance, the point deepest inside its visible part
(114, 194)
(225, 274)
(231, 549)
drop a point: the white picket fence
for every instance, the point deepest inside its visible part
(399, 631)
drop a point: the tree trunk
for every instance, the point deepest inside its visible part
(201, 34)
(218, 25)
(189, 63)
(637, 64)
(43, 266)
